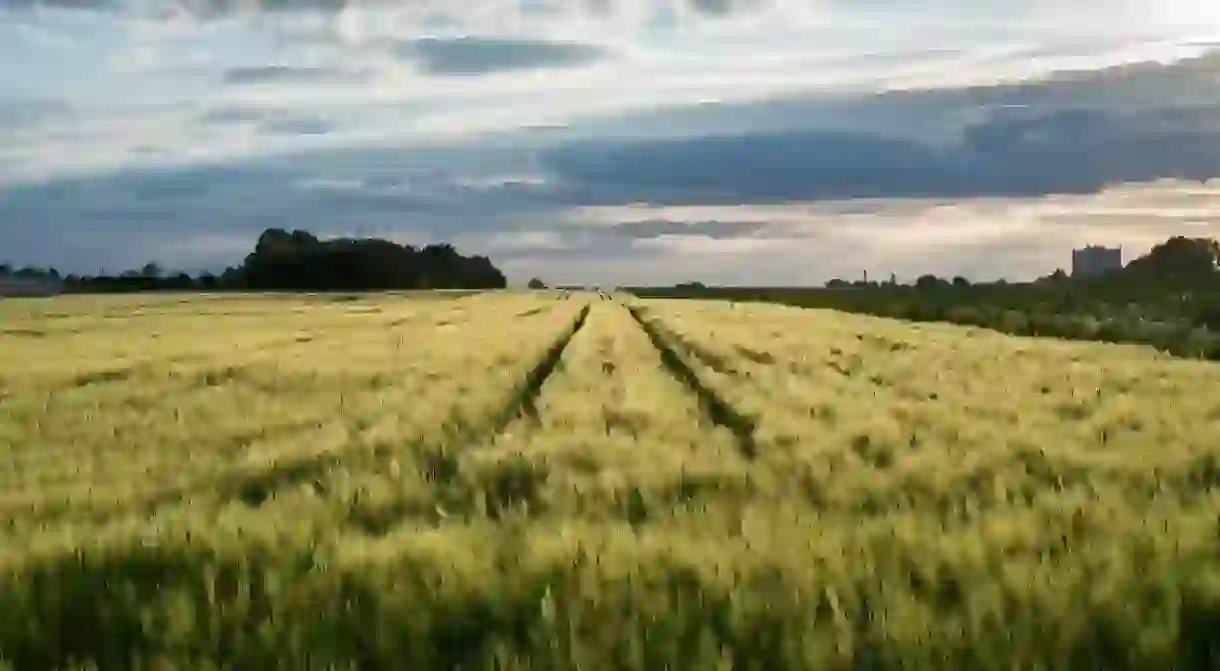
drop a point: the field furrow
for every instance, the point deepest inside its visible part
(923, 420)
(614, 436)
(562, 480)
(232, 446)
(397, 473)
(720, 411)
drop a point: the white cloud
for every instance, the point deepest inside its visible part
(146, 88)
(703, 245)
(516, 241)
(128, 64)
(981, 238)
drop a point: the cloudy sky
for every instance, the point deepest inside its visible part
(616, 141)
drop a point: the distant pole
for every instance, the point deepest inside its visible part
(866, 276)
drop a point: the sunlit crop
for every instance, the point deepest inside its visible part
(543, 480)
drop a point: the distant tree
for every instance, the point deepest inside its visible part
(278, 240)
(1208, 316)
(1179, 259)
(304, 240)
(1059, 278)
(927, 282)
(232, 278)
(961, 282)
(6, 269)
(536, 283)
(300, 261)
(837, 283)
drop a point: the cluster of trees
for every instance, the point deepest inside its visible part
(29, 281)
(299, 261)
(30, 273)
(1168, 298)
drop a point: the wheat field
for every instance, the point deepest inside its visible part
(558, 481)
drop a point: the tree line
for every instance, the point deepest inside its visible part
(1168, 298)
(298, 261)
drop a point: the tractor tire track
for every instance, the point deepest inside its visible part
(255, 487)
(719, 411)
(524, 400)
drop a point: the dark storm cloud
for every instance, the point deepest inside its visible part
(754, 168)
(1075, 134)
(725, 7)
(295, 126)
(480, 56)
(713, 6)
(370, 191)
(275, 73)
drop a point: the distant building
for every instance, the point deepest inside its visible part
(1095, 260)
(15, 287)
